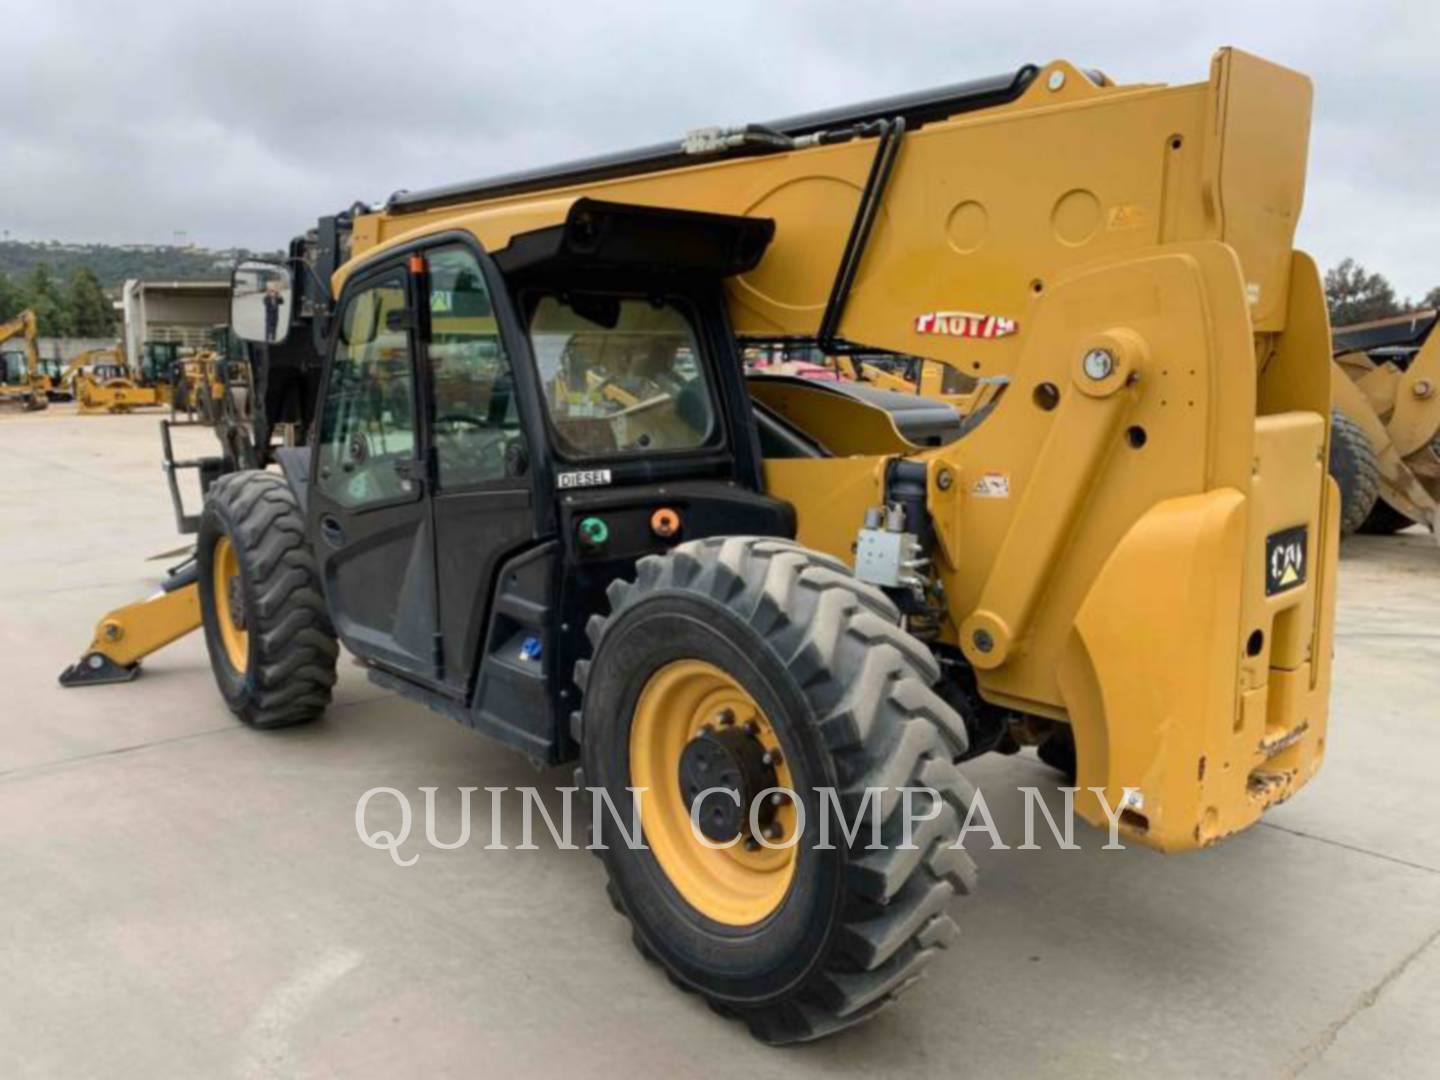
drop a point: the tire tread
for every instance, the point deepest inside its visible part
(293, 645)
(868, 683)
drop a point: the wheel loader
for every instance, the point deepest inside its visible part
(22, 382)
(1385, 442)
(536, 492)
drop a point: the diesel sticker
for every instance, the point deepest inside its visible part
(583, 478)
(1285, 557)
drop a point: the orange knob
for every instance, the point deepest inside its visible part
(665, 523)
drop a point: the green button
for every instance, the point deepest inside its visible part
(594, 531)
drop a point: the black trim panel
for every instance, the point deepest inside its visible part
(917, 108)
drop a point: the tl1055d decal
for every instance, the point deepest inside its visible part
(966, 324)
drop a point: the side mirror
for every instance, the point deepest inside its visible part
(261, 302)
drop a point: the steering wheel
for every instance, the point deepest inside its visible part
(460, 418)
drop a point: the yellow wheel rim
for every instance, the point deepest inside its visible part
(737, 885)
(230, 605)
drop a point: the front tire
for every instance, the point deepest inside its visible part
(271, 645)
(761, 636)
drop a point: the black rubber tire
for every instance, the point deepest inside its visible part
(1058, 751)
(1356, 469)
(848, 693)
(1385, 520)
(292, 646)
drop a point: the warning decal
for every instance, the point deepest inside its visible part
(991, 485)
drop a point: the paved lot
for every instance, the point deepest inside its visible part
(184, 897)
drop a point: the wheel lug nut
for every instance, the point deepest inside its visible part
(771, 832)
(777, 798)
(752, 728)
(773, 757)
(751, 844)
(726, 716)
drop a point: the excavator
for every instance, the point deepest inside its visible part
(528, 484)
(22, 381)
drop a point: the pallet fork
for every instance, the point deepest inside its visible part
(210, 469)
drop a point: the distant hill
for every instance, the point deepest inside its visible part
(112, 264)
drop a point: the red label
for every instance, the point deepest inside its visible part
(967, 324)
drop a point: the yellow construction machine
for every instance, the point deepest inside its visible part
(1385, 446)
(22, 381)
(102, 382)
(536, 492)
(199, 391)
(972, 396)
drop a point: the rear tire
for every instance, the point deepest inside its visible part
(271, 644)
(847, 693)
(1356, 469)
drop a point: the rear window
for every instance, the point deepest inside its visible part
(621, 375)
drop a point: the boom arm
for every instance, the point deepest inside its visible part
(1065, 169)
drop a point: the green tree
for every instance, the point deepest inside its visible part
(44, 297)
(1356, 295)
(11, 301)
(90, 312)
(1431, 299)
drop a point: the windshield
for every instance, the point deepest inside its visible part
(621, 374)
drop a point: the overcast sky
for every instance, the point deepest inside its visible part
(241, 123)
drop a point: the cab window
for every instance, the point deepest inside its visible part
(366, 449)
(477, 422)
(622, 374)
(14, 366)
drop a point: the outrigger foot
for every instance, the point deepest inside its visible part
(127, 635)
(97, 669)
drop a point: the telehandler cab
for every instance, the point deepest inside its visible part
(539, 495)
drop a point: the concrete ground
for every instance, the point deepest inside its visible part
(185, 897)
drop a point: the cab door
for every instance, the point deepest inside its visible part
(369, 517)
(478, 391)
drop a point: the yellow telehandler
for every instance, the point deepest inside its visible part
(537, 493)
